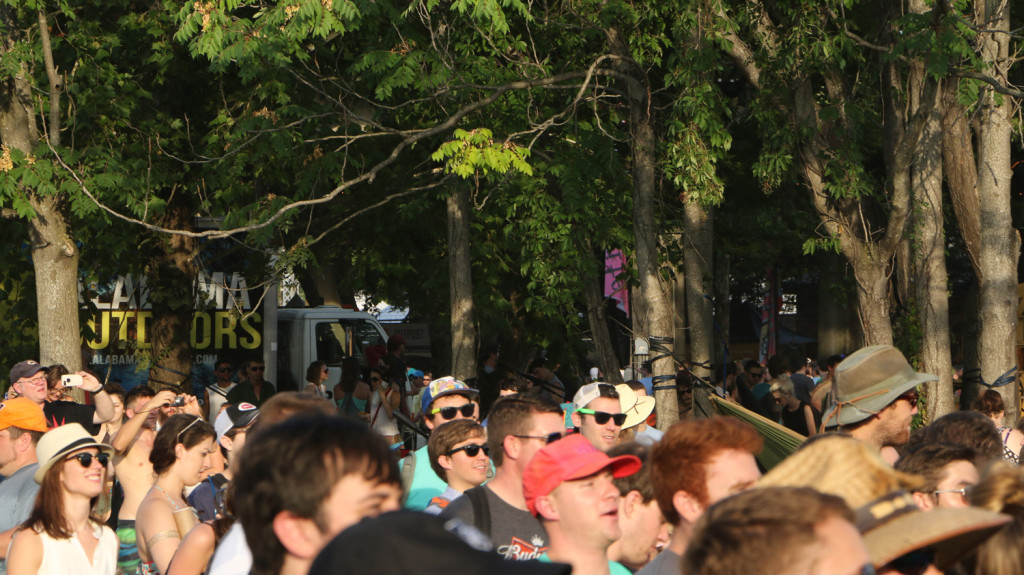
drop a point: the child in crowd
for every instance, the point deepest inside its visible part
(459, 455)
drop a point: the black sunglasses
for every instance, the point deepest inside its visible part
(602, 417)
(548, 439)
(224, 369)
(86, 458)
(448, 413)
(471, 450)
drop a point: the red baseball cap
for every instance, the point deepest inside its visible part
(566, 460)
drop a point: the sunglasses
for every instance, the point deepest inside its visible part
(911, 396)
(86, 458)
(547, 439)
(224, 369)
(448, 413)
(375, 380)
(602, 417)
(913, 563)
(471, 450)
(260, 368)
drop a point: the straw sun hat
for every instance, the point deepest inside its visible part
(57, 443)
(891, 524)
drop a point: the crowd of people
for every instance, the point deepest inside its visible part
(507, 480)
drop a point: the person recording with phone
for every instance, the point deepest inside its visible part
(35, 382)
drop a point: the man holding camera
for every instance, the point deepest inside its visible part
(30, 380)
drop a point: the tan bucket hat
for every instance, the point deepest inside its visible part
(869, 380)
(888, 518)
(637, 408)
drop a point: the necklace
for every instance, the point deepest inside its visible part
(168, 496)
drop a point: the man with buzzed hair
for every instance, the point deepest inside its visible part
(696, 464)
(793, 530)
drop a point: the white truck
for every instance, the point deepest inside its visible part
(326, 333)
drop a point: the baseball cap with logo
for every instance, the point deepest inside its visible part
(235, 417)
(22, 413)
(567, 460)
(589, 393)
(444, 386)
(26, 368)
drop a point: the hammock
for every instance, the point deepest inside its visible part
(779, 441)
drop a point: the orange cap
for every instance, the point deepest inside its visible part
(22, 413)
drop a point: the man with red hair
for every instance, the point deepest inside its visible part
(696, 464)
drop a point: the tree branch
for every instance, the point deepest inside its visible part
(53, 132)
(408, 140)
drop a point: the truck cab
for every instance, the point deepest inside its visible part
(327, 333)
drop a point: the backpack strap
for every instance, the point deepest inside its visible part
(481, 509)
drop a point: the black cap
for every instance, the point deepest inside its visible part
(420, 543)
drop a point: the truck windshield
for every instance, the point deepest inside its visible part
(336, 340)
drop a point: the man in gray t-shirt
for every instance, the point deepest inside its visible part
(518, 427)
(22, 423)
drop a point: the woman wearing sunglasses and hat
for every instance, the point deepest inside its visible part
(62, 534)
(181, 453)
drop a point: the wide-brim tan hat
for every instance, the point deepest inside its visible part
(57, 443)
(889, 520)
(870, 379)
(843, 466)
(893, 526)
(637, 408)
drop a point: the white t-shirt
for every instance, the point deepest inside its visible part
(232, 556)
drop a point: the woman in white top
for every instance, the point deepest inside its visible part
(384, 403)
(62, 535)
(316, 379)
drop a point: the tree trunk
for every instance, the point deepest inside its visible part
(1000, 243)
(655, 325)
(697, 259)
(54, 254)
(929, 256)
(460, 279)
(172, 280)
(593, 294)
(722, 306)
(834, 336)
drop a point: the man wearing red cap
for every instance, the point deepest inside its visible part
(568, 486)
(22, 423)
